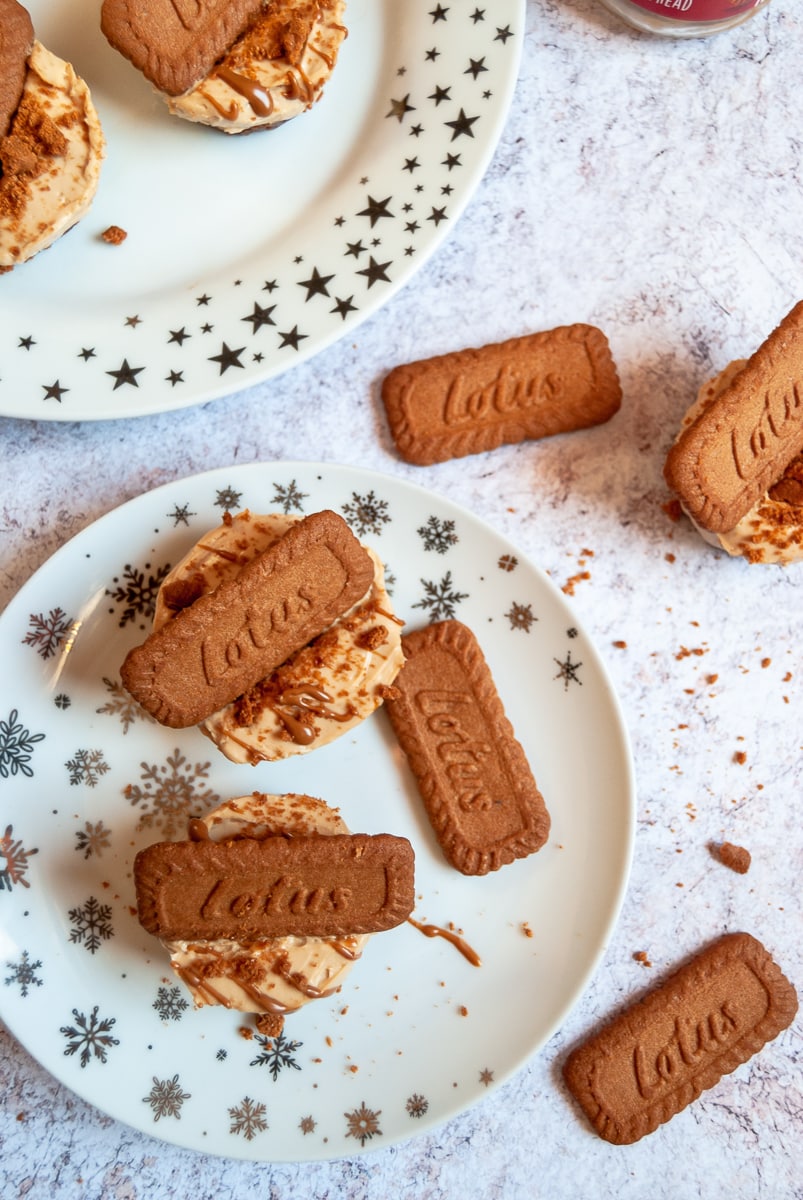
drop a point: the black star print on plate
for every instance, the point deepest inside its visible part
(428, 124)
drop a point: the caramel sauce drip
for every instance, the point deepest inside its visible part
(228, 113)
(347, 948)
(258, 98)
(450, 936)
(294, 703)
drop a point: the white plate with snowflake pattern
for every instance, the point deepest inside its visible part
(418, 1033)
(245, 256)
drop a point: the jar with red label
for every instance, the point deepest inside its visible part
(685, 18)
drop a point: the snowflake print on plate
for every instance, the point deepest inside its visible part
(440, 600)
(366, 514)
(24, 973)
(417, 1106)
(47, 633)
(521, 616)
(135, 592)
(93, 839)
(170, 1004)
(289, 498)
(438, 535)
(91, 924)
(171, 794)
(16, 746)
(123, 705)
(363, 1123)
(91, 1035)
(248, 1118)
(87, 766)
(13, 861)
(567, 671)
(166, 1098)
(276, 1054)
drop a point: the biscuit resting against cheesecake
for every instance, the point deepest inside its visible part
(256, 972)
(324, 685)
(235, 65)
(51, 142)
(737, 463)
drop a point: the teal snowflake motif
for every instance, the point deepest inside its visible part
(16, 746)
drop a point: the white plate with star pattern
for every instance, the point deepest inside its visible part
(245, 256)
(418, 1032)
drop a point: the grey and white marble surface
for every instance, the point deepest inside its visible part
(652, 188)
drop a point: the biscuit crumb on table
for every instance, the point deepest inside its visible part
(736, 857)
(114, 235)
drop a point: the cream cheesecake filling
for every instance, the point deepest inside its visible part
(51, 159)
(772, 530)
(276, 70)
(276, 976)
(320, 692)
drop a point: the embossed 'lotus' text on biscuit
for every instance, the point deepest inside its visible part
(218, 660)
(506, 393)
(247, 889)
(751, 447)
(478, 399)
(657, 1056)
(191, 13)
(472, 774)
(461, 755)
(227, 640)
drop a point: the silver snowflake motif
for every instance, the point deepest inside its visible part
(366, 514)
(438, 535)
(89, 1035)
(181, 514)
(136, 591)
(227, 498)
(47, 633)
(170, 1004)
(222, 1055)
(166, 1098)
(440, 598)
(16, 746)
(91, 924)
(92, 839)
(123, 705)
(248, 1118)
(363, 1123)
(62, 700)
(87, 766)
(521, 616)
(417, 1105)
(289, 497)
(171, 796)
(568, 671)
(13, 861)
(24, 973)
(276, 1054)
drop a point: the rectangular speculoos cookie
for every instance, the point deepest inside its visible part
(234, 636)
(528, 387)
(713, 1014)
(742, 443)
(472, 773)
(246, 889)
(175, 42)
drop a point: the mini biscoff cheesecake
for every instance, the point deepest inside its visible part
(274, 72)
(238, 67)
(272, 977)
(322, 690)
(771, 531)
(50, 158)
